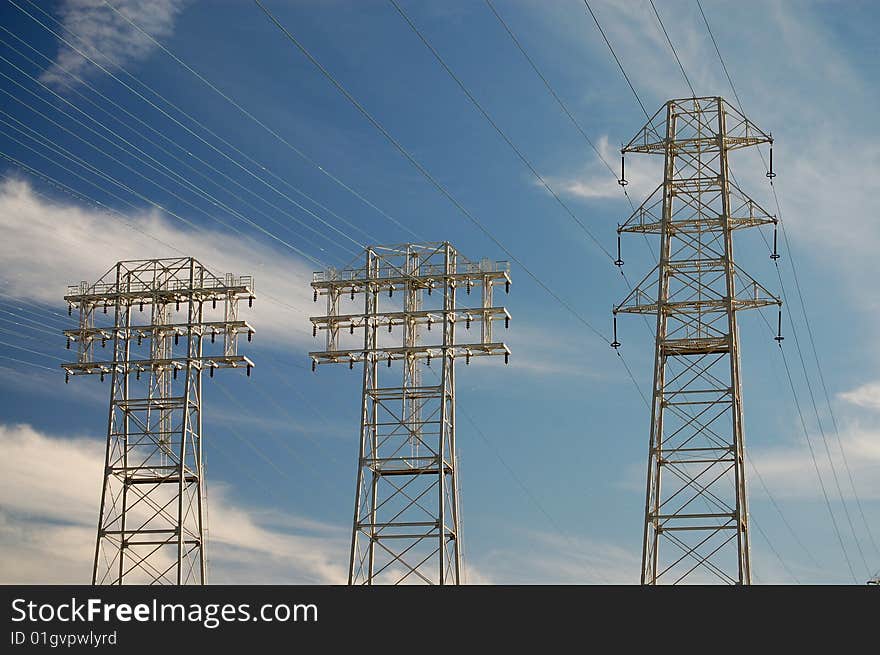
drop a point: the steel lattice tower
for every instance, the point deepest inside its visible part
(696, 513)
(406, 513)
(151, 528)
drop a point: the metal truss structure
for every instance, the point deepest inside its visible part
(406, 513)
(696, 513)
(153, 314)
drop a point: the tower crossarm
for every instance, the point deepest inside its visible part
(744, 213)
(411, 353)
(696, 130)
(137, 366)
(426, 318)
(143, 332)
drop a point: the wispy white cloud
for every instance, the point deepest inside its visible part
(104, 36)
(48, 245)
(867, 396)
(546, 558)
(51, 488)
(595, 181)
(789, 471)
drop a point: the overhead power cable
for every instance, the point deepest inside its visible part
(519, 153)
(262, 124)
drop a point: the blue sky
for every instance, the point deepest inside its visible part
(564, 417)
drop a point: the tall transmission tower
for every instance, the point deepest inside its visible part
(696, 513)
(155, 315)
(406, 513)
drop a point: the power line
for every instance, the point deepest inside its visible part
(672, 47)
(271, 131)
(617, 59)
(500, 132)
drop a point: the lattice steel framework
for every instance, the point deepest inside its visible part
(696, 513)
(406, 513)
(151, 523)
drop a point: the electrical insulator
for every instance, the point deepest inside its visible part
(622, 181)
(770, 173)
(779, 338)
(775, 254)
(615, 343)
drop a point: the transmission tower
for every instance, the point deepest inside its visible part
(406, 513)
(696, 513)
(154, 315)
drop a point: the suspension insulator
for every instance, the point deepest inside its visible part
(212, 370)
(429, 323)
(70, 310)
(467, 358)
(775, 254)
(248, 370)
(506, 322)
(105, 309)
(103, 343)
(430, 288)
(68, 344)
(622, 181)
(390, 325)
(102, 376)
(213, 335)
(141, 307)
(213, 303)
(250, 335)
(351, 297)
(177, 305)
(507, 286)
(66, 377)
(467, 323)
(619, 261)
(139, 339)
(315, 296)
(429, 359)
(770, 173)
(389, 361)
(174, 374)
(351, 328)
(350, 363)
(390, 291)
(176, 338)
(779, 338)
(468, 287)
(507, 358)
(314, 365)
(314, 330)
(137, 374)
(615, 343)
